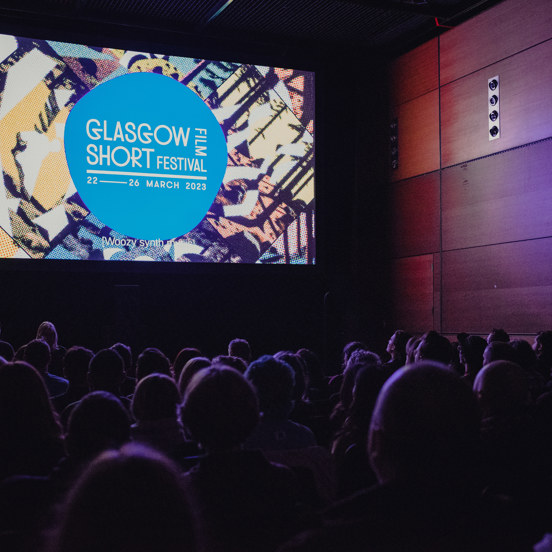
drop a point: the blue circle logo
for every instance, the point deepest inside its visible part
(146, 154)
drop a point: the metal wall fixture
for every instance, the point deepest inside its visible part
(493, 89)
(394, 143)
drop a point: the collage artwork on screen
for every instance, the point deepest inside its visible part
(109, 154)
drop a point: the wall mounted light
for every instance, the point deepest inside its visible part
(493, 90)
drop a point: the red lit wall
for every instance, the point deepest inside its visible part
(471, 218)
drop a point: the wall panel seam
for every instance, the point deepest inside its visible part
(441, 84)
(495, 243)
(494, 154)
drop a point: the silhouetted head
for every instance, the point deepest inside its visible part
(127, 500)
(314, 375)
(501, 388)
(97, 423)
(543, 345)
(349, 349)
(471, 350)
(25, 409)
(220, 408)
(37, 354)
(273, 381)
(358, 359)
(369, 380)
(106, 371)
(152, 361)
(470, 353)
(524, 354)
(240, 348)
(434, 346)
(498, 350)
(191, 368)
(296, 363)
(425, 428)
(461, 337)
(396, 346)
(156, 398)
(75, 365)
(498, 335)
(183, 356)
(231, 361)
(47, 331)
(411, 348)
(125, 352)
(6, 351)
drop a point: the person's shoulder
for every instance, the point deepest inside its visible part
(66, 413)
(301, 430)
(58, 379)
(298, 427)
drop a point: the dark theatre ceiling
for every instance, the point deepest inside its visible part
(386, 26)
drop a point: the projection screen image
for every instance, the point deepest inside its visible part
(109, 154)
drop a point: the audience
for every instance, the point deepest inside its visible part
(129, 383)
(470, 352)
(411, 348)
(273, 381)
(183, 356)
(98, 422)
(498, 335)
(75, 370)
(316, 388)
(357, 359)
(423, 447)
(525, 356)
(126, 500)
(155, 409)
(349, 444)
(498, 350)
(37, 354)
(105, 373)
(434, 346)
(6, 351)
(191, 368)
(543, 349)
(445, 452)
(510, 441)
(334, 382)
(47, 332)
(242, 501)
(152, 361)
(240, 348)
(302, 411)
(232, 361)
(30, 436)
(396, 347)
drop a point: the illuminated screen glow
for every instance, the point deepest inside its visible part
(109, 154)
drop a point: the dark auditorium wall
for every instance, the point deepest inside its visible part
(471, 219)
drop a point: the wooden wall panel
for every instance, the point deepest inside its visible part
(414, 216)
(412, 306)
(506, 197)
(525, 107)
(499, 32)
(418, 136)
(415, 73)
(499, 286)
(494, 265)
